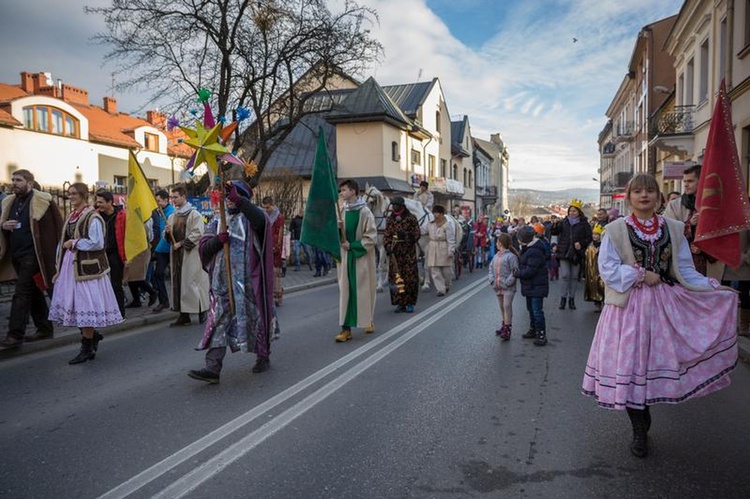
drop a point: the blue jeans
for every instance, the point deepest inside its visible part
(322, 261)
(297, 245)
(535, 306)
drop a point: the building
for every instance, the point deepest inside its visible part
(626, 145)
(51, 129)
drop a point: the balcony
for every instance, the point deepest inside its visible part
(672, 130)
(488, 193)
(609, 150)
(623, 132)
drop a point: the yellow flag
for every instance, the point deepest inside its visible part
(141, 202)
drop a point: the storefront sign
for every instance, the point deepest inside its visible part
(672, 170)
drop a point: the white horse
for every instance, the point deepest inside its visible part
(380, 206)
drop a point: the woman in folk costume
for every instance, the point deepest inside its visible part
(593, 289)
(356, 272)
(400, 239)
(667, 333)
(83, 294)
(441, 250)
(253, 324)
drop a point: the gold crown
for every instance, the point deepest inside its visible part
(598, 229)
(577, 203)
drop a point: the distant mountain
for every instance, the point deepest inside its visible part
(561, 197)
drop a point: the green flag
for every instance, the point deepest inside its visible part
(320, 225)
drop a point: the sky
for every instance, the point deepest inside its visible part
(512, 66)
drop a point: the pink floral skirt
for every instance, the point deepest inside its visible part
(667, 345)
(83, 303)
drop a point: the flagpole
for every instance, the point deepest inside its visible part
(227, 265)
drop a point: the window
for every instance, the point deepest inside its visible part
(703, 84)
(681, 89)
(466, 177)
(50, 120)
(722, 49)
(469, 185)
(454, 174)
(121, 181)
(416, 157)
(153, 183)
(689, 82)
(747, 22)
(443, 168)
(430, 166)
(395, 156)
(437, 121)
(151, 142)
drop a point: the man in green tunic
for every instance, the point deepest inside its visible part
(356, 273)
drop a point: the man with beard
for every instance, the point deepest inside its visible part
(683, 209)
(189, 281)
(31, 226)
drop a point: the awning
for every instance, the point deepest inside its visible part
(384, 184)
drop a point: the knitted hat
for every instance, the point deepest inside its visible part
(539, 229)
(398, 200)
(525, 234)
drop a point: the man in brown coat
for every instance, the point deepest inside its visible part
(31, 227)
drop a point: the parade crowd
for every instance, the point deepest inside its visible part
(666, 333)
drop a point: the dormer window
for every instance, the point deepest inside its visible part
(48, 119)
(151, 142)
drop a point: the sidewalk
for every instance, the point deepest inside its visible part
(143, 316)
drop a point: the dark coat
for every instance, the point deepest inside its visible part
(532, 269)
(568, 235)
(46, 227)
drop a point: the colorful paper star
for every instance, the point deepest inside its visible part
(206, 144)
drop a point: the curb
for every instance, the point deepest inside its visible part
(70, 336)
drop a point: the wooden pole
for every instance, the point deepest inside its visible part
(227, 264)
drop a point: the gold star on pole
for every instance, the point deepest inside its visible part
(206, 145)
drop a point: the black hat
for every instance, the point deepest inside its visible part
(398, 200)
(424, 183)
(525, 234)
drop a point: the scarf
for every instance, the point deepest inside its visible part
(355, 205)
(573, 220)
(184, 209)
(274, 215)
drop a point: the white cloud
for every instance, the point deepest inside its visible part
(546, 94)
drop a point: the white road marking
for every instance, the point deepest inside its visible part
(193, 479)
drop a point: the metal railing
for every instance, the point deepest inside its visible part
(674, 121)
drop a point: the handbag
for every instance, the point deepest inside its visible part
(572, 254)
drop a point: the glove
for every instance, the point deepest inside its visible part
(231, 192)
(223, 237)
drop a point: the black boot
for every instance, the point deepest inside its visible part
(182, 320)
(95, 342)
(639, 421)
(86, 353)
(261, 365)
(530, 334)
(562, 303)
(202, 317)
(571, 303)
(541, 338)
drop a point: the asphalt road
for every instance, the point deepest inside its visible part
(431, 405)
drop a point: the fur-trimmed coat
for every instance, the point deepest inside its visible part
(46, 227)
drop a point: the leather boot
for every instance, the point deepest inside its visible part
(639, 420)
(182, 320)
(344, 335)
(86, 353)
(530, 334)
(562, 303)
(95, 342)
(541, 338)
(261, 365)
(572, 303)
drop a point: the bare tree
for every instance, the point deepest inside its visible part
(284, 186)
(520, 204)
(268, 56)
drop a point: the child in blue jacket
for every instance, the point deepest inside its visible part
(534, 279)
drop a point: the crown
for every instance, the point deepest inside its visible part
(598, 229)
(577, 203)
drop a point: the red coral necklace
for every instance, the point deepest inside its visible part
(649, 231)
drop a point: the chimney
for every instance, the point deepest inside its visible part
(27, 82)
(156, 118)
(40, 81)
(110, 105)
